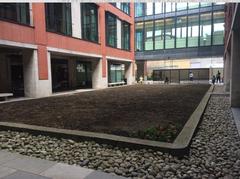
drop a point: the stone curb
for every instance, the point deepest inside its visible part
(179, 147)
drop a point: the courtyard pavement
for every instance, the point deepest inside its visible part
(214, 153)
(16, 166)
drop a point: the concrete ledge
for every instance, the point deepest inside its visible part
(179, 147)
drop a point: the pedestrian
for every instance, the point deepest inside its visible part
(213, 79)
(140, 79)
(166, 80)
(191, 76)
(218, 77)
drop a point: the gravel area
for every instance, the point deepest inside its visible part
(214, 153)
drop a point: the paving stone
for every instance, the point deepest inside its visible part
(4, 171)
(7, 156)
(63, 171)
(29, 164)
(24, 175)
(101, 175)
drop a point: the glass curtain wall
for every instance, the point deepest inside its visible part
(170, 7)
(139, 36)
(181, 6)
(159, 34)
(89, 21)
(18, 12)
(111, 30)
(218, 28)
(139, 9)
(181, 31)
(193, 5)
(149, 35)
(169, 33)
(149, 8)
(205, 29)
(159, 7)
(193, 30)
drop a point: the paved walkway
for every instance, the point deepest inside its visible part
(16, 166)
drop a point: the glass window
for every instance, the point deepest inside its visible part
(193, 5)
(181, 32)
(159, 7)
(125, 7)
(111, 30)
(18, 12)
(169, 33)
(169, 7)
(181, 6)
(205, 29)
(219, 3)
(159, 34)
(139, 36)
(116, 73)
(193, 29)
(205, 4)
(149, 8)
(125, 36)
(218, 28)
(58, 17)
(139, 9)
(149, 35)
(90, 21)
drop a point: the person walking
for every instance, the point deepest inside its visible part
(213, 79)
(218, 77)
(191, 76)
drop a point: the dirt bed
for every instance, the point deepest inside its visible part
(156, 112)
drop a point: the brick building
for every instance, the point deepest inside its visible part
(51, 47)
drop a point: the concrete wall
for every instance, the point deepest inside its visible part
(235, 69)
(227, 74)
(33, 87)
(98, 81)
(129, 73)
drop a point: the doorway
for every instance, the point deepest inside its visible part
(83, 74)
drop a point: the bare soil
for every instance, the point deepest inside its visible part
(156, 112)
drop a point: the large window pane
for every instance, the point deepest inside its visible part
(149, 35)
(139, 36)
(159, 34)
(58, 17)
(89, 22)
(125, 36)
(116, 73)
(159, 7)
(193, 29)
(125, 7)
(205, 29)
(111, 30)
(139, 9)
(149, 8)
(181, 32)
(181, 6)
(18, 12)
(218, 28)
(169, 7)
(169, 33)
(193, 5)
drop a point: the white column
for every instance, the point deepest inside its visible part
(98, 81)
(31, 14)
(129, 73)
(119, 33)
(76, 19)
(33, 87)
